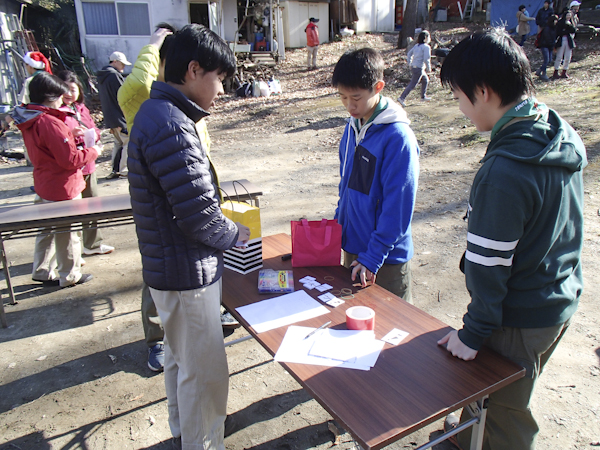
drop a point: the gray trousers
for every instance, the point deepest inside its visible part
(396, 278)
(418, 75)
(510, 425)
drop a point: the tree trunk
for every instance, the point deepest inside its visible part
(409, 23)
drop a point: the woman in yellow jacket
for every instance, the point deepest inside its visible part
(149, 67)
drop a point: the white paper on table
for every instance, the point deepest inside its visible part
(295, 349)
(348, 345)
(283, 310)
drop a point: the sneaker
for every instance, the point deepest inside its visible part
(451, 423)
(227, 320)
(112, 176)
(401, 101)
(102, 250)
(156, 358)
(85, 277)
(426, 99)
(48, 283)
(231, 426)
(544, 77)
(176, 443)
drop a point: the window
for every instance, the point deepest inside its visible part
(116, 18)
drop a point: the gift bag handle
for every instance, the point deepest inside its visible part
(327, 239)
(246, 189)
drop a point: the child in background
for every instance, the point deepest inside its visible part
(419, 60)
(379, 168)
(79, 120)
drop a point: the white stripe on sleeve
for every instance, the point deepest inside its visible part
(488, 261)
(491, 244)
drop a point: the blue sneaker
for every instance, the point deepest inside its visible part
(156, 358)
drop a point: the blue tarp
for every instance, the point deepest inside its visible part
(504, 13)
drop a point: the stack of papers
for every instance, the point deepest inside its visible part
(335, 348)
(280, 311)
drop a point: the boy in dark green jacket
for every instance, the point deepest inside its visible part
(523, 259)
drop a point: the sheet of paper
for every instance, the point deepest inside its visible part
(295, 349)
(395, 336)
(283, 310)
(347, 345)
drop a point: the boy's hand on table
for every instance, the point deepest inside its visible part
(456, 346)
(364, 273)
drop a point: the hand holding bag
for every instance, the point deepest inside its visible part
(316, 243)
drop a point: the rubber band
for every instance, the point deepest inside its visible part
(329, 278)
(336, 293)
(346, 291)
(347, 297)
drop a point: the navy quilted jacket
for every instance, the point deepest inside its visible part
(180, 227)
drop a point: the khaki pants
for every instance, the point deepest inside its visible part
(92, 237)
(153, 330)
(510, 425)
(196, 372)
(396, 278)
(60, 252)
(312, 53)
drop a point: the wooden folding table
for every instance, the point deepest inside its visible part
(411, 385)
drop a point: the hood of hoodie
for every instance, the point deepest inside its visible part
(390, 112)
(26, 116)
(549, 142)
(103, 73)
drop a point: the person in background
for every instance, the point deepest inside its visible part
(57, 177)
(523, 20)
(182, 232)
(522, 263)
(541, 18)
(79, 120)
(565, 34)
(379, 168)
(419, 61)
(312, 43)
(110, 79)
(546, 41)
(35, 62)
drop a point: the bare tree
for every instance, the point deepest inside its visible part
(409, 23)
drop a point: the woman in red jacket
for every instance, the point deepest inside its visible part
(57, 176)
(79, 120)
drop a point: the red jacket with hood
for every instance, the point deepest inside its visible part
(312, 34)
(51, 147)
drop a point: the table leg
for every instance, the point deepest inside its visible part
(11, 293)
(478, 409)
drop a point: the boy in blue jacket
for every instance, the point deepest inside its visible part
(523, 260)
(379, 170)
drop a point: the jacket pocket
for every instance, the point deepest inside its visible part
(363, 170)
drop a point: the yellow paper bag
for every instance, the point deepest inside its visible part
(245, 214)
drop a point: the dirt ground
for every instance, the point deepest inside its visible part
(73, 371)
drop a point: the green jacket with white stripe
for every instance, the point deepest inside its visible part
(525, 232)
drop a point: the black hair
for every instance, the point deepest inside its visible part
(197, 43)
(552, 18)
(488, 58)
(358, 69)
(45, 87)
(71, 77)
(423, 35)
(165, 45)
(522, 7)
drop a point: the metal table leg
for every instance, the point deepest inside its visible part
(11, 293)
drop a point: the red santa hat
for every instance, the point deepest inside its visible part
(38, 61)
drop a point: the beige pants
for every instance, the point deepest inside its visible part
(312, 53)
(57, 252)
(196, 372)
(119, 152)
